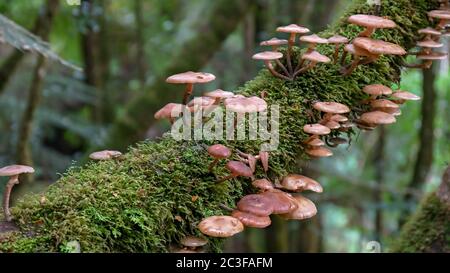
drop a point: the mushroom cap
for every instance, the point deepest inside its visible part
(219, 151)
(338, 39)
(251, 220)
(257, 204)
(293, 28)
(220, 226)
(354, 50)
(239, 169)
(439, 14)
(245, 105)
(282, 202)
(316, 57)
(15, 170)
(430, 31)
(371, 21)
(192, 241)
(264, 157)
(339, 118)
(338, 140)
(268, 56)
(404, 95)
(429, 44)
(331, 107)
(305, 209)
(182, 250)
(191, 77)
(377, 90)
(313, 39)
(319, 152)
(377, 117)
(297, 182)
(346, 125)
(433, 56)
(200, 102)
(382, 103)
(169, 110)
(219, 94)
(378, 47)
(263, 184)
(316, 129)
(105, 155)
(274, 42)
(333, 125)
(315, 142)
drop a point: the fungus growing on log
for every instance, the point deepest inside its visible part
(190, 78)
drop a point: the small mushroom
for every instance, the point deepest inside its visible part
(314, 142)
(357, 55)
(401, 97)
(217, 151)
(193, 243)
(305, 209)
(190, 78)
(275, 43)
(13, 172)
(336, 141)
(313, 58)
(330, 109)
(377, 117)
(430, 33)
(218, 95)
(298, 183)
(251, 220)
(282, 202)
(428, 45)
(384, 105)
(319, 152)
(312, 41)
(220, 226)
(376, 90)
(257, 204)
(264, 157)
(337, 40)
(339, 118)
(428, 59)
(263, 184)
(442, 15)
(267, 57)
(201, 103)
(105, 155)
(371, 23)
(170, 111)
(293, 31)
(237, 168)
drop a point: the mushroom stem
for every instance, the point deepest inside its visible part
(336, 53)
(188, 92)
(305, 68)
(367, 32)
(214, 163)
(354, 64)
(275, 73)
(283, 67)
(291, 43)
(425, 65)
(225, 207)
(369, 60)
(344, 55)
(14, 180)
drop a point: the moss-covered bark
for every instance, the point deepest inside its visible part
(147, 199)
(428, 230)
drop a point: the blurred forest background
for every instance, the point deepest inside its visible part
(52, 115)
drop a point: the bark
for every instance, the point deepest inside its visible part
(424, 158)
(24, 155)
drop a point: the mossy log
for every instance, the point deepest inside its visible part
(155, 194)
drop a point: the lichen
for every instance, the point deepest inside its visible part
(158, 192)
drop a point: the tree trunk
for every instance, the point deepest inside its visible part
(424, 158)
(379, 162)
(143, 201)
(140, 53)
(24, 154)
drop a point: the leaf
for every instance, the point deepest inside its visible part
(20, 38)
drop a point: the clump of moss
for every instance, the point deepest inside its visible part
(428, 230)
(158, 192)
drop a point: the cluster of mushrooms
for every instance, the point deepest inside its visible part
(363, 49)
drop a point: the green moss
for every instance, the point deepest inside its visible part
(143, 202)
(428, 230)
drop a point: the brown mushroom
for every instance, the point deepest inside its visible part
(305, 209)
(219, 95)
(257, 204)
(282, 202)
(371, 23)
(220, 226)
(251, 220)
(339, 118)
(237, 168)
(13, 172)
(170, 111)
(275, 43)
(312, 41)
(316, 129)
(264, 157)
(428, 45)
(298, 183)
(336, 141)
(190, 78)
(383, 105)
(337, 40)
(401, 97)
(430, 33)
(293, 30)
(267, 57)
(105, 155)
(377, 117)
(428, 59)
(319, 152)
(314, 142)
(193, 243)
(376, 90)
(201, 103)
(313, 57)
(330, 109)
(217, 151)
(263, 184)
(442, 15)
